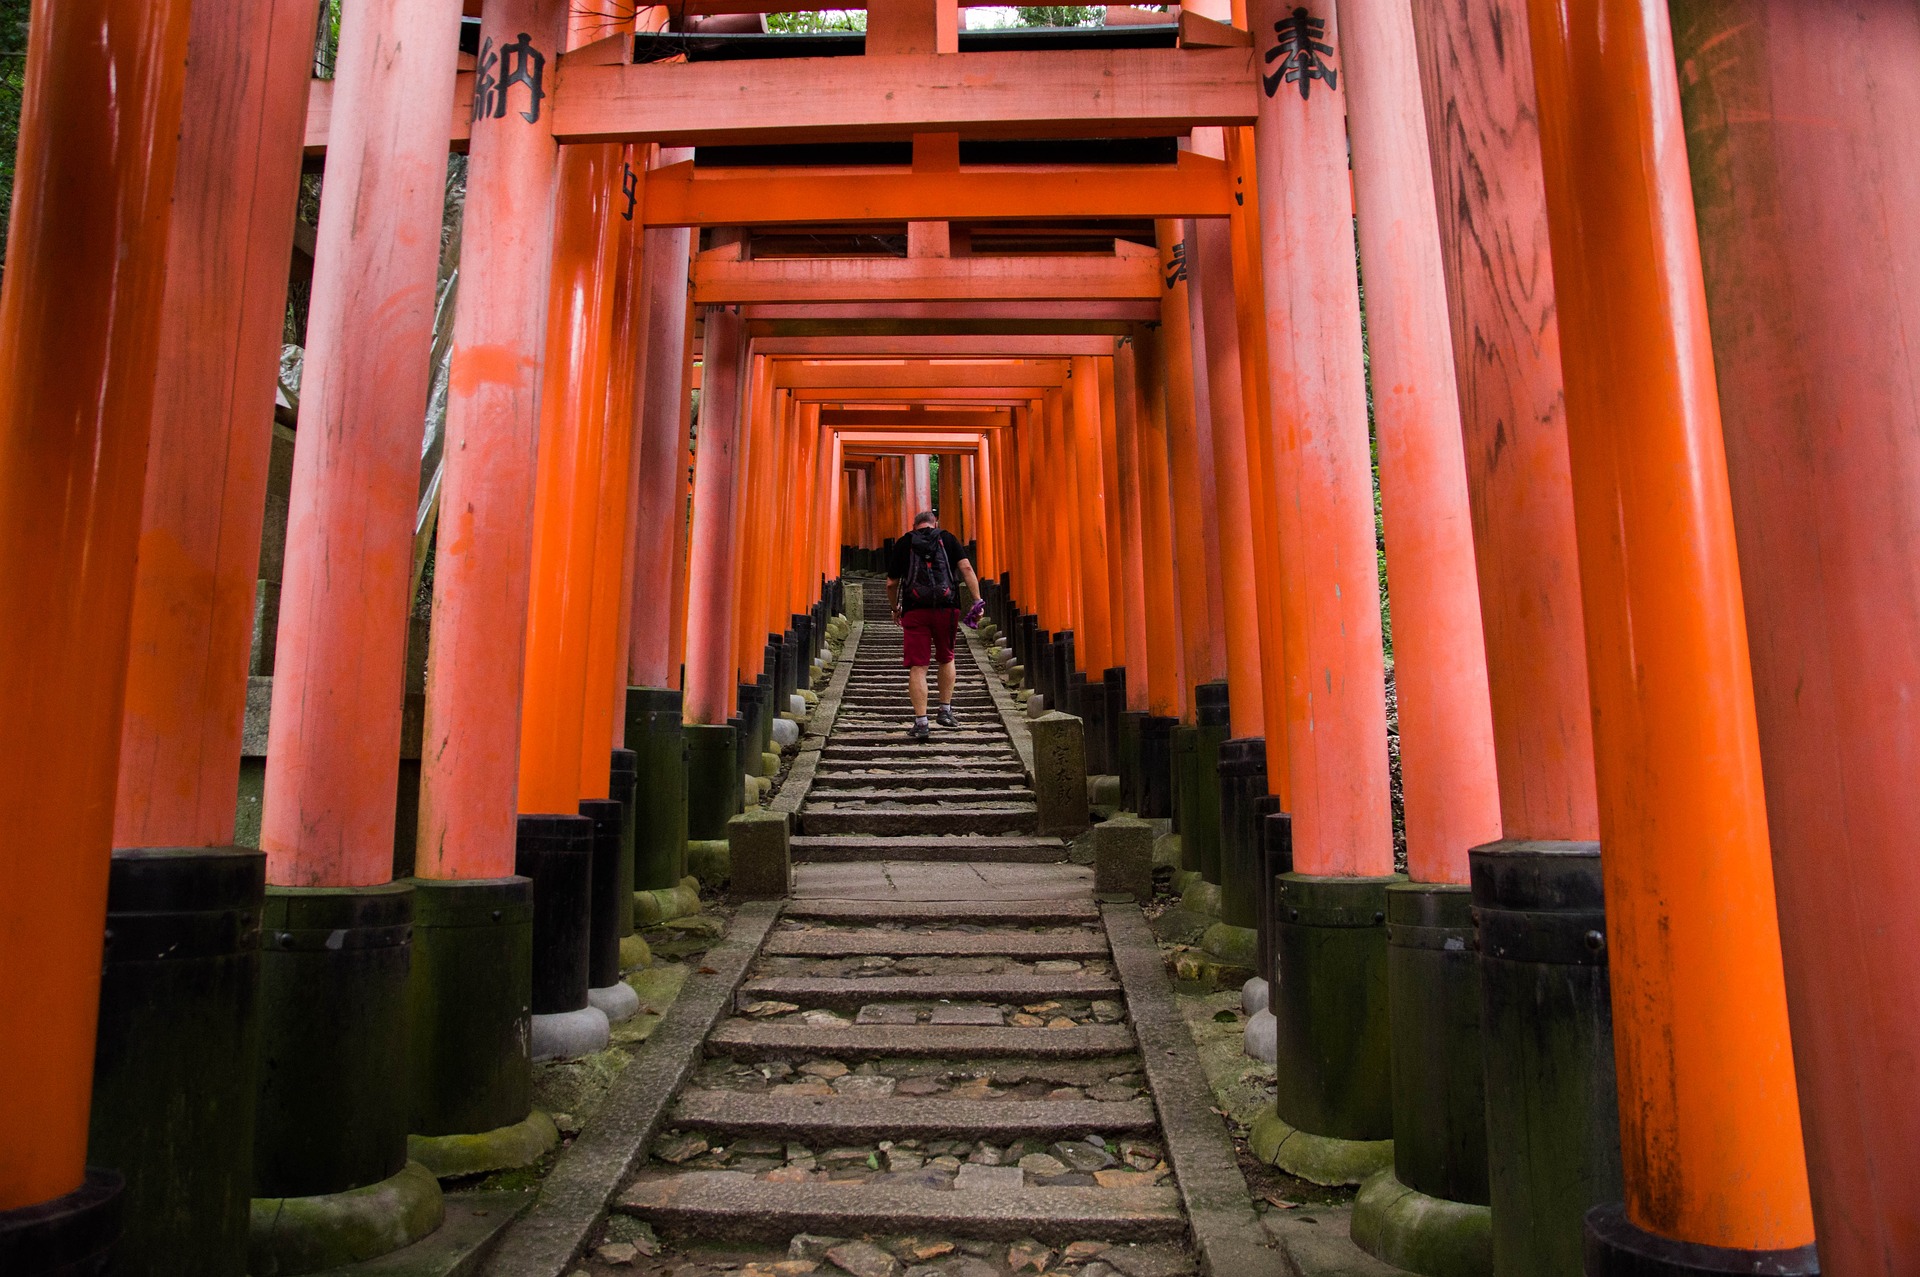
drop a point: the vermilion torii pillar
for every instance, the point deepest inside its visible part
(712, 775)
(1709, 1120)
(1544, 1170)
(1332, 1069)
(334, 1015)
(189, 1168)
(80, 323)
(1196, 536)
(1809, 228)
(1093, 641)
(471, 764)
(1452, 800)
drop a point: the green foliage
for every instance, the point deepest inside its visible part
(13, 79)
(816, 20)
(1059, 15)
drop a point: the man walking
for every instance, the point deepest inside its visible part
(925, 600)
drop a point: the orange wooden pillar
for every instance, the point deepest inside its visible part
(710, 570)
(1132, 598)
(335, 1018)
(1483, 136)
(1808, 226)
(660, 498)
(1166, 678)
(1451, 792)
(189, 1167)
(1196, 539)
(470, 767)
(1094, 639)
(682, 508)
(1334, 1079)
(1710, 1123)
(80, 332)
(572, 447)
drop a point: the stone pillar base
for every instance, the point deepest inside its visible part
(616, 1001)
(567, 1035)
(1430, 1236)
(759, 856)
(292, 1235)
(1123, 858)
(1615, 1247)
(470, 995)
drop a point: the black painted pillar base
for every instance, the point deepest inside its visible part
(1114, 680)
(1546, 1033)
(605, 901)
(713, 787)
(557, 854)
(623, 776)
(1329, 1002)
(173, 1066)
(1132, 726)
(658, 744)
(1439, 1085)
(72, 1235)
(334, 1019)
(1156, 767)
(471, 998)
(1200, 802)
(1243, 779)
(1093, 717)
(1616, 1247)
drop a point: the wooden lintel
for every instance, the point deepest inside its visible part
(680, 195)
(1197, 32)
(862, 280)
(790, 374)
(937, 346)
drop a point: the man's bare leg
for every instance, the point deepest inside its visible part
(946, 687)
(917, 686)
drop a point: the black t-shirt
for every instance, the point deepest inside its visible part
(898, 559)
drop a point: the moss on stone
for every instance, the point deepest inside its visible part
(1422, 1234)
(1318, 1159)
(290, 1235)
(521, 1144)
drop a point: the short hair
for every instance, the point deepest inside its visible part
(925, 519)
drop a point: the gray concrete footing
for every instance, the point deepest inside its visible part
(566, 1035)
(1426, 1235)
(759, 850)
(1253, 995)
(290, 1235)
(1260, 1040)
(1059, 774)
(1123, 858)
(616, 1001)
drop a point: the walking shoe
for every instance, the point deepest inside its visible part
(920, 730)
(945, 717)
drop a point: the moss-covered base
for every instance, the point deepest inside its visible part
(1201, 896)
(635, 953)
(650, 908)
(290, 1235)
(450, 1156)
(1426, 1235)
(1232, 946)
(1318, 1159)
(711, 862)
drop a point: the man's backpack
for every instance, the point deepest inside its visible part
(929, 574)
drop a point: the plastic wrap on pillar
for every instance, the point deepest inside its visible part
(556, 852)
(1243, 780)
(173, 1067)
(1546, 1024)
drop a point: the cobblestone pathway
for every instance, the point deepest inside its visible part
(930, 1069)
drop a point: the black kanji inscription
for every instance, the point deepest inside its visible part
(629, 187)
(497, 71)
(1301, 54)
(1177, 267)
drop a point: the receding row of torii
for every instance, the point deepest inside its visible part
(1645, 445)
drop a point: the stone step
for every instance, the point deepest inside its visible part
(847, 1120)
(907, 750)
(960, 778)
(882, 822)
(735, 1206)
(843, 992)
(993, 913)
(747, 1040)
(926, 793)
(820, 846)
(938, 944)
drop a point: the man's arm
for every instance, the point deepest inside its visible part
(973, 581)
(893, 595)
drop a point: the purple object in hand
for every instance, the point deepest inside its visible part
(974, 613)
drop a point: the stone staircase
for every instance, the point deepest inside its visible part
(930, 1068)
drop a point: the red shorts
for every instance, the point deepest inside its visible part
(928, 633)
